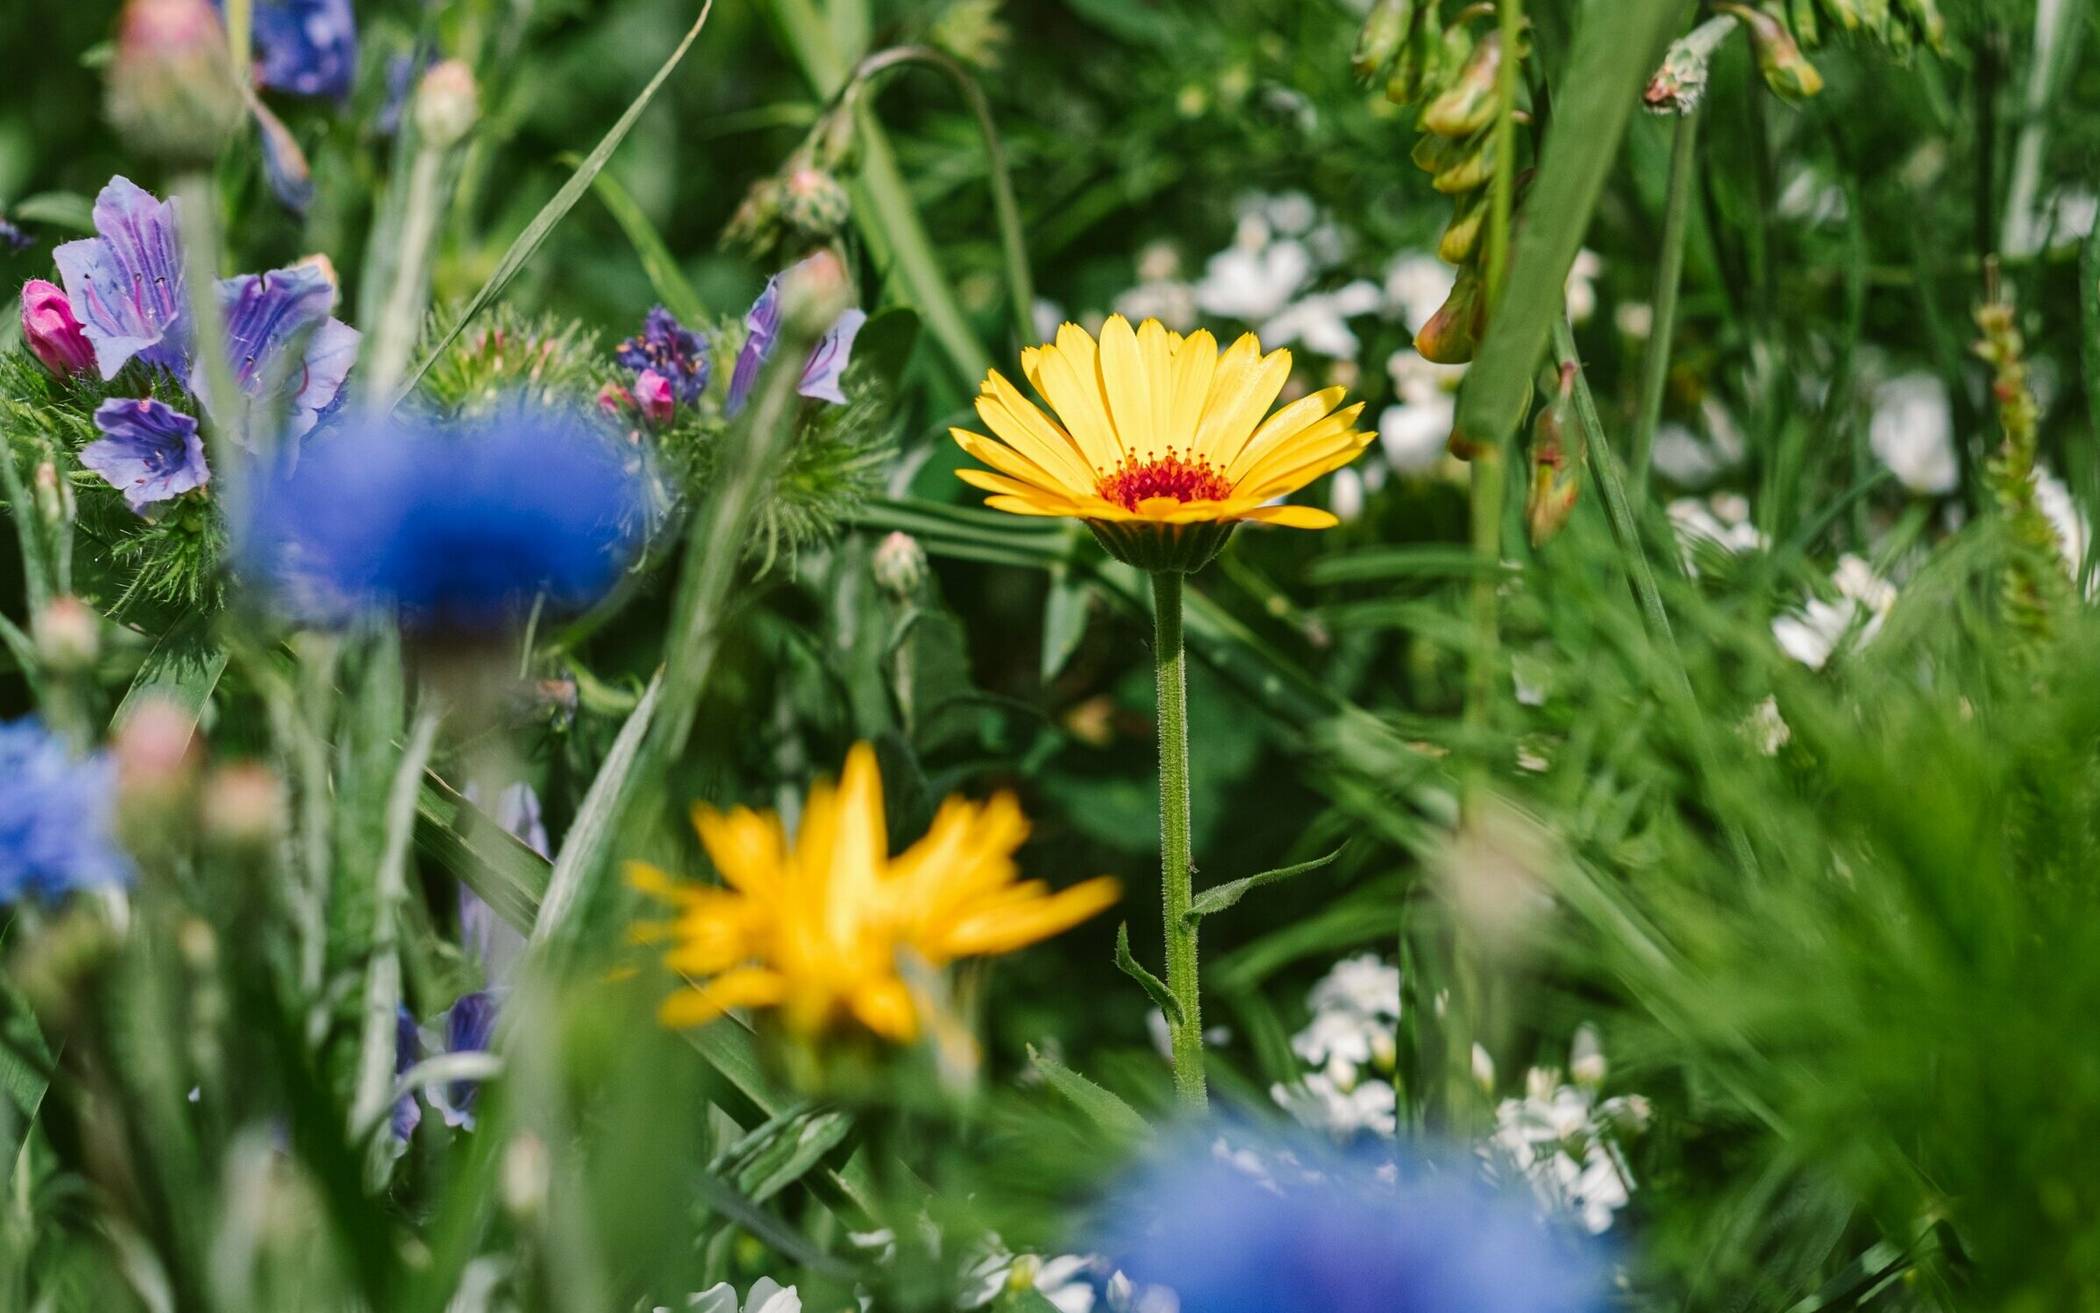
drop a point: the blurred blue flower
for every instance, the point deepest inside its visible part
(1298, 1228)
(306, 47)
(150, 451)
(126, 283)
(56, 816)
(408, 1050)
(674, 352)
(452, 526)
(469, 1024)
(285, 168)
(820, 373)
(267, 317)
(492, 941)
(12, 238)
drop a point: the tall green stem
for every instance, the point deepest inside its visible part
(1669, 271)
(1176, 869)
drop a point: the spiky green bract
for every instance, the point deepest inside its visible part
(146, 569)
(508, 354)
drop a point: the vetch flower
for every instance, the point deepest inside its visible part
(1159, 441)
(53, 334)
(56, 817)
(671, 351)
(452, 527)
(126, 283)
(268, 317)
(1341, 1234)
(827, 927)
(468, 1025)
(149, 451)
(827, 362)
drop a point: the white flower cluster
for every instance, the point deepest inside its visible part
(1863, 601)
(1072, 1283)
(1911, 431)
(767, 1296)
(1563, 1140)
(1349, 1046)
(1721, 520)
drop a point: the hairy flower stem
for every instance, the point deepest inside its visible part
(1669, 270)
(1176, 868)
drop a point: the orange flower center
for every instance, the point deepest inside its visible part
(1163, 476)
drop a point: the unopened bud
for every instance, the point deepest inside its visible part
(68, 635)
(54, 497)
(653, 396)
(615, 400)
(1680, 84)
(447, 103)
(814, 203)
(53, 333)
(1586, 1060)
(814, 293)
(1786, 70)
(1385, 30)
(1483, 1070)
(1555, 481)
(900, 565)
(156, 760)
(1462, 234)
(243, 806)
(1468, 104)
(1452, 334)
(755, 225)
(971, 31)
(173, 90)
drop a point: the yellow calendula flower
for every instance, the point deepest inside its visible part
(1160, 442)
(823, 928)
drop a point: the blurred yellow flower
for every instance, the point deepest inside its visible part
(1153, 428)
(822, 929)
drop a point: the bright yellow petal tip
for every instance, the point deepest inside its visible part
(1149, 432)
(822, 929)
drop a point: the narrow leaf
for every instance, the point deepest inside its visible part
(182, 670)
(1162, 997)
(1105, 1110)
(584, 850)
(658, 263)
(1225, 895)
(557, 209)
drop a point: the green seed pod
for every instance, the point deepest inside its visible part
(1385, 31)
(1462, 234)
(1452, 334)
(1468, 104)
(1802, 18)
(1433, 154)
(1473, 169)
(1786, 70)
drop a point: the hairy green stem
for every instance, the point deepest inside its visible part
(1669, 272)
(224, 433)
(401, 319)
(1176, 867)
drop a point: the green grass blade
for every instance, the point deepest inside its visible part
(590, 837)
(182, 669)
(658, 263)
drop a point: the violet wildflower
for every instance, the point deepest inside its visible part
(305, 47)
(408, 1049)
(52, 332)
(56, 817)
(469, 1024)
(492, 941)
(827, 362)
(149, 451)
(1300, 1227)
(126, 283)
(267, 317)
(453, 527)
(670, 350)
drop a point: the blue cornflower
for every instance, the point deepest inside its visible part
(1300, 1229)
(454, 526)
(126, 283)
(306, 47)
(149, 451)
(821, 373)
(56, 816)
(126, 287)
(675, 353)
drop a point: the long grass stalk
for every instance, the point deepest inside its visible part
(1669, 273)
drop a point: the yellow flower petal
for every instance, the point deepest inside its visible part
(1001, 929)
(1243, 387)
(1006, 460)
(746, 987)
(884, 1006)
(1195, 361)
(1069, 377)
(1281, 427)
(1293, 517)
(1023, 425)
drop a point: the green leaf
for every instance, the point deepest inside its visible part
(1225, 895)
(658, 263)
(783, 1150)
(1064, 621)
(1162, 997)
(1105, 1110)
(481, 854)
(60, 209)
(182, 669)
(589, 841)
(1615, 49)
(1137, 21)
(557, 208)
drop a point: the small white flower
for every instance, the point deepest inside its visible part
(1345, 495)
(1170, 301)
(1683, 457)
(1416, 286)
(1365, 984)
(1290, 213)
(1415, 434)
(1912, 432)
(1722, 520)
(767, 1296)
(1766, 729)
(1812, 199)
(2074, 532)
(1864, 600)
(1582, 285)
(1320, 1103)
(1047, 316)
(1635, 319)
(1158, 261)
(1564, 1143)
(1321, 320)
(1253, 284)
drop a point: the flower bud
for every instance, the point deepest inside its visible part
(1786, 70)
(1383, 34)
(652, 395)
(1680, 84)
(447, 103)
(243, 807)
(813, 202)
(53, 334)
(156, 758)
(54, 497)
(1468, 104)
(1586, 1059)
(1483, 1070)
(173, 90)
(755, 225)
(971, 31)
(1555, 484)
(615, 400)
(1462, 234)
(899, 565)
(1452, 334)
(814, 293)
(68, 635)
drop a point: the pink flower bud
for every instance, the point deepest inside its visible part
(615, 400)
(652, 392)
(53, 333)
